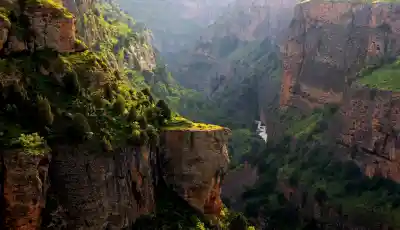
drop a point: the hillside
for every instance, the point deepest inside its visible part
(174, 23)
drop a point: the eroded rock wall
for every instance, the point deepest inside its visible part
(194, 162)
(329, 44)
(94, 190)
(368, 124)
(23, 189)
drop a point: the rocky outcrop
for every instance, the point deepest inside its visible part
(194, 162)
(51, 27)
(329, 44)
(23, 189)
(368, 124)
(236, 182)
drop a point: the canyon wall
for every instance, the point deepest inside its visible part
(329, 44)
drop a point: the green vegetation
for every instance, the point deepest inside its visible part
(318, 176)
(32, 144)
(384, 78)
(51, 4)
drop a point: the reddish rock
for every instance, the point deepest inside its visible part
(195, 160)
(52, 28)
(318, 58)
(25, 188)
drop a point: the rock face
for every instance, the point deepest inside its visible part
(93, 190)
(194, 164)
(368, 123)
(52, 28)
(24, 187)
(329, 43)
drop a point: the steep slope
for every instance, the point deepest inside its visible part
(174, 23)
(82, 137)
(365, 37)
(240, 29)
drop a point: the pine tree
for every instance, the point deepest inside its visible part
(45, 114)
(119, 105)
(165, 110)
(72, 84)
(132, 116)
(80, 126)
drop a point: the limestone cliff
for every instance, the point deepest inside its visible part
(80, 140)
(329, 45)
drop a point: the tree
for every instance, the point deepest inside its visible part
(142, 122)
(165, 110)
(146, 91)
(119, 105)
(80, 126)
(45, 114)
(132, 116)
(71, 83)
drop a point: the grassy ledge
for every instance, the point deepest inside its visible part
(51, 4)
(181, 123)
(386, 77)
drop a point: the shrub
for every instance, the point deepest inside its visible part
(132, 116)
(165, 110)
(32, 144)
(108, 92)
(146, 91)
(98, 101)
(45, 114)
(71, 83)
(119, 105)
(142, 122)
(106, 144)
(135, 137)
(80, 126)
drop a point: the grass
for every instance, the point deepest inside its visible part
(181, 123)
(384, 78)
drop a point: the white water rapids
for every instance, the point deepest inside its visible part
(262, 130)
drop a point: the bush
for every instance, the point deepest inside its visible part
(165, 110)
(71, 83)
(98, 101)
(106, 144)
(108, 92)
(146, 91)
(45, 114)
(80, 126)
(132, 116)
(142, 122)
(135, 137)
(119, 105)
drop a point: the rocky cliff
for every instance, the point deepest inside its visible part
(329, 43)
(80, 140)
(332, 45)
